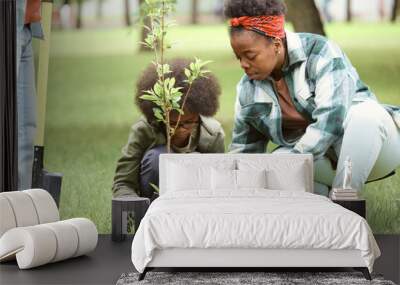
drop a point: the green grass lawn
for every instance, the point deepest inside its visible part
(90, 106)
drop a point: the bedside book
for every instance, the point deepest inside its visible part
(344, 194)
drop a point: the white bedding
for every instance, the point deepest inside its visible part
(252, 218)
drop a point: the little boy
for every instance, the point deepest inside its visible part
(196, 132)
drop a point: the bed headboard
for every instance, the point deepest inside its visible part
(279, 161)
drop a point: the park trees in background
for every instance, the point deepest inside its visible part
(78, 22)
(99, 13)
(395, 9)
(195, 12)
(348, 11)
(146, 22)
(72, 17)
(127, 13)
(99, 10)
(305, 16)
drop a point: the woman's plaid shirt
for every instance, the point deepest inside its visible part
(323, 85)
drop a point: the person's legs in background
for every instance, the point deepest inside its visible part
(149, 170)
(26, 107)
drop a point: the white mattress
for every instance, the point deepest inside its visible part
(251, 219)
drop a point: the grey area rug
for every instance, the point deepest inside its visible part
(243, 278)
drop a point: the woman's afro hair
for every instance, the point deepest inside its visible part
(203, 96)
(240, 8)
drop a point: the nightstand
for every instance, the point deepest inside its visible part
(127, 212)
(358, 206)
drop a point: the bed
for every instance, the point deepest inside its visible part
(247, 210)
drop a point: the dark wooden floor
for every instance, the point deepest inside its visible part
(103, 266)
(110, 260)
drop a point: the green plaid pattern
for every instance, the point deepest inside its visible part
(323, 85)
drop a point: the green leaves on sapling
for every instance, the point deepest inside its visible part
(196, 70)
(164, 94)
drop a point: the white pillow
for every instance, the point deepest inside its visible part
(279, 180)
(183, 177)
(251, 178)
(281, 174)
(225, 179)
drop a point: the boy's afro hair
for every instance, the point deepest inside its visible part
(203, 96)
(240, 8)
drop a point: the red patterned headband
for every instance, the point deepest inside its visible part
(272, 26)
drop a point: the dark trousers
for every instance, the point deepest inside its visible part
(149, 170)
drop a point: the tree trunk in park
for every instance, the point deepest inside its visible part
(99, 10)
(127, 13)
(348, 11)
(195, 12)
(394, 11)
(78, 23)
(305, 16)
(144, 31)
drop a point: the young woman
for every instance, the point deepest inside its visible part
(196, 132)
(301, 92)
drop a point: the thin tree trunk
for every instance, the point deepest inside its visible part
(349, 15)
(144, 31)
(305, 16)
(394, 11)
(127, 13)
(99, 12)
(195, 12)
(78, 24)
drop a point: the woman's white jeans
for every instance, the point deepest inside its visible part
(372, 141)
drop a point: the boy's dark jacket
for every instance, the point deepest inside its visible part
(143, 136)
